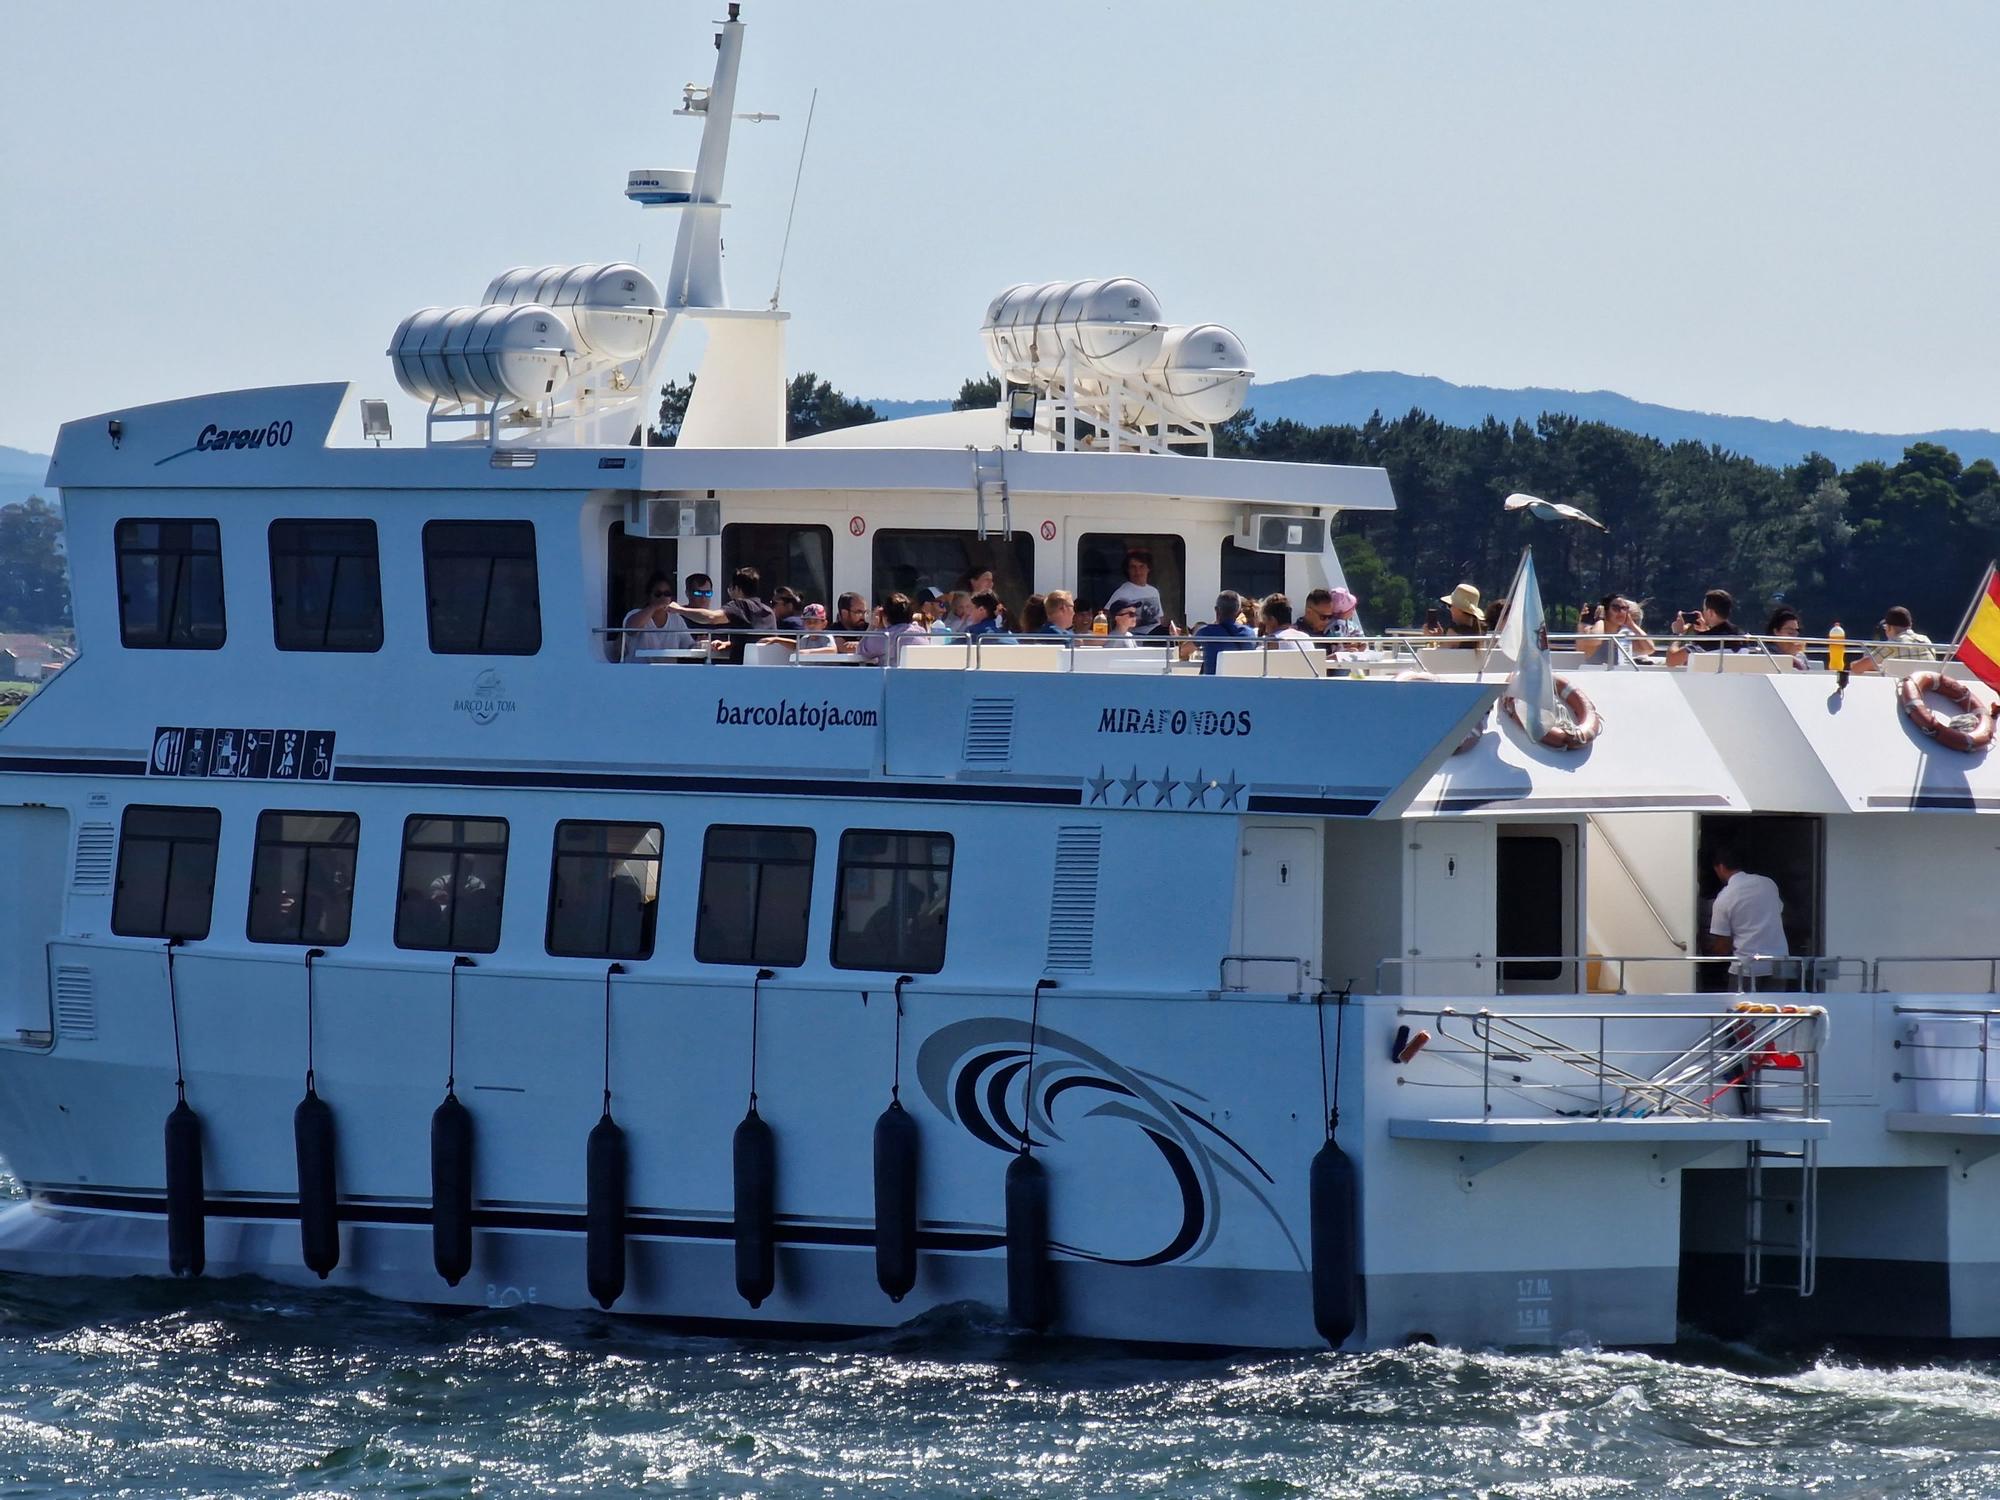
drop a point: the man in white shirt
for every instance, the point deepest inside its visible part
(1748, 920)
(652, 627)
(1138, 587)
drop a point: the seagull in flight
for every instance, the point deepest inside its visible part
(1551, 510)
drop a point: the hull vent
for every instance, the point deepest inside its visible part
(989, 731)
(94, 845)
(76, 1003)
(1073, 900)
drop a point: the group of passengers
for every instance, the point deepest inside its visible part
(1613, 631)
(666, 628)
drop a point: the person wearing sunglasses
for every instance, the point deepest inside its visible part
(653, 626)
(1616, 627)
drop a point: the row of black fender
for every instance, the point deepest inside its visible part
(1333, 1209)
(1335, 1226)
(606, 1169)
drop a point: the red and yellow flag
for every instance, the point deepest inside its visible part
(1980, 649)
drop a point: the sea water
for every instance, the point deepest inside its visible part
(154, 1387)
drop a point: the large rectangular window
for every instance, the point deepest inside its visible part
(454, 873)
(166, 872)
(1254, 575)
(484, 594)
(1107, 561)
(756, 896)
(302, 879)
(801, 556)
(326, 586)
(894, 897)
(906, 561)
(604, 890)
(170, 584)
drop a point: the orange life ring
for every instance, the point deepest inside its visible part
(1587, 724)
(1947, 731)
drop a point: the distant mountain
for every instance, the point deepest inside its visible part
(21, 475)
(1328, 400)
(1322, 399)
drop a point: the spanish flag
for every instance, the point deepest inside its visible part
(1979, 644)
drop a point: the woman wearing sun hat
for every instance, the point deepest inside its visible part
(1466, 617)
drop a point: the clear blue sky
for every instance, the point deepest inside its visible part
(1777, 209)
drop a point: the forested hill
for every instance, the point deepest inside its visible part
(1330, 400)
(1835, 543)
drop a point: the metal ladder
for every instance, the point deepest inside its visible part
(1781, 1227)
(989, 478)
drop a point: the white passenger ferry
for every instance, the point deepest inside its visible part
(463, 962)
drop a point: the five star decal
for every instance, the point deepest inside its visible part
(1195, 790)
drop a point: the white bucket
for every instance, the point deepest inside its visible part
(1944, 1067)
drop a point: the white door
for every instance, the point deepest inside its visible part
(1449, 918)
(1277, 910)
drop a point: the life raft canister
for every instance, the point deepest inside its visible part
(1951, 732)
(1586, 723)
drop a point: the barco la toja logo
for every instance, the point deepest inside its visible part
(489, 699)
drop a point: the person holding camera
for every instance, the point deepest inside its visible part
(1614, 623)
(1705, 629)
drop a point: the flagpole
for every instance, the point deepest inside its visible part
(1985, 579)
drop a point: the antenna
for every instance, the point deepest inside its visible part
(783, 249)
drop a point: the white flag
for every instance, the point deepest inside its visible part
(1525, 637)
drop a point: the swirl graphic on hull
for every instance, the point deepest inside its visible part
(973, 1071)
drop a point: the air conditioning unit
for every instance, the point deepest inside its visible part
(1288, 533)
(665, 516)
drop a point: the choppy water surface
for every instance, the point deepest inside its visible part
(241, 1388)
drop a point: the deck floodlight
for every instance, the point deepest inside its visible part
(1020, 408)
(375, 421)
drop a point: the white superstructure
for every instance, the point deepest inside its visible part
(1028, 973)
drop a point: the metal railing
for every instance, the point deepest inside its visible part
(1958, 1077)
(1242, 962)
(1762, 1057)
(1788, 973)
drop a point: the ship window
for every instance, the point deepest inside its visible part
(166, 872)
(326, 586)
(302, 879)
(170, 584)
(756, 896)
(454, 872)
(893, 896)
(1254, 575)
(604, 890)
(1100, 567)
(801, 556)
(906, 561)
(485, 598)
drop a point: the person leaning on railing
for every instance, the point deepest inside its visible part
(653, 626)
(1902, 642)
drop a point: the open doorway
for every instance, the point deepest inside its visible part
(1534, 908)
(1790, 849)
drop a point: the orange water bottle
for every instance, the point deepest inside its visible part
(1836, 649)
(1098, 625)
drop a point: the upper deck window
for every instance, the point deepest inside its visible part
(756, 896)
(166, 872)
(302, 879)
(326, 586)
(485, 596)
(908, 560)
(454, 875)
(170, 584)
(604, 890)
(798, 556)
(1107, 561)
(1254, 575)
(894, 897)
